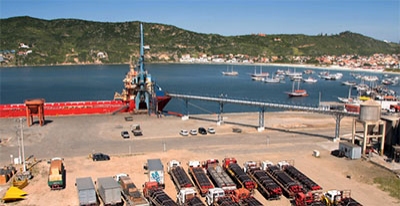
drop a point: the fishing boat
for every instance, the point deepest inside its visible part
(141, 94)
(297, 92)
(272, 80)
(230, 73)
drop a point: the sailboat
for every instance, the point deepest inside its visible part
(259, 76)
(230, 73)
(298, 92)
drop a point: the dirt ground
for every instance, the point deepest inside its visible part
(308, 133)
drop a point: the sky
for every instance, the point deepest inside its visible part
(379, 19)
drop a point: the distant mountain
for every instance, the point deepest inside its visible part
(79, 41)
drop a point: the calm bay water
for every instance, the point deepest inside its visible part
(100, 82)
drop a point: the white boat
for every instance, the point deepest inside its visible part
(230, 73)
(349, 83)
(310, 80)
(272, 80)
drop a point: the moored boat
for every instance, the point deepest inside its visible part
(297, 92)
(310, 80)
(230, 73)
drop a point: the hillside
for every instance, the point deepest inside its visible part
(78, 41)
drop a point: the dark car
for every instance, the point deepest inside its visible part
(100, 157)
(125, 134)
(338, 153)
(202, 130)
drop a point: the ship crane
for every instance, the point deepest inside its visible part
(142, 98)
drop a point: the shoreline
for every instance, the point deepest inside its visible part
(308, 66)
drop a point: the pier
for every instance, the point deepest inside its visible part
(222, 100)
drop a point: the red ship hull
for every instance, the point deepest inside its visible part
(78, 108)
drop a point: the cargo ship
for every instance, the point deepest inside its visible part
(140, 95)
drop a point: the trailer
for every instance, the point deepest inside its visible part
(56, 179)
(233, 169)
(289, 186)
(155, 171)
(178, 175)
(156, 195)
(218, 176)
(266, 185)
(86, 191)
(109, 191)
(308, 184)
(199, 177)
(241, 197)
(131, 193)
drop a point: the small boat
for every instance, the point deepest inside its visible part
(298, 92)
(308, 71)
(230, 73)
(272, 80)
(349, 83)
(310, 80)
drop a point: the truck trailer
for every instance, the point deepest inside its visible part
(238, 175)
(265, 184)
(220, 178)
(307, 183)
(156, 195)
(86, 191)
(56, 179)
(131, 193)
(109, 191)
(199, 177)
(156, 171)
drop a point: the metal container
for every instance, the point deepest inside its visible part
(370, 111)
(351, 151)
(86, 191)
(109, 190)
(156, 171)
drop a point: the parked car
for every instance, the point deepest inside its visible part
(100, 157)
(125, 134)
(193, 132)
(136, 130)
(184, 132)
(202, 130)
(211, 130)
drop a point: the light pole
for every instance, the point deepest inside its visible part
(22, 148)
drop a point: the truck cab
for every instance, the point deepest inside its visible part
(185, 195)
(213, 195)
(136, 130)
(172, 164)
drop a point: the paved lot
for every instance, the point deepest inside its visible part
(289, 136)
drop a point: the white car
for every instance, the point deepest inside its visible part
(193, 131)
(211, 130)
(184, 132)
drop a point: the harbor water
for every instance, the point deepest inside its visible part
(100, 82)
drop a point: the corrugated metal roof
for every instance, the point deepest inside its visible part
(108, 182)
(84, 183)
(154, 164)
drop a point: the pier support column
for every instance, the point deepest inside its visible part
(220, 117)
(261, 126)
(338, 117)
(186, 115)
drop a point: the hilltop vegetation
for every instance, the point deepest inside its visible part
(78, 41)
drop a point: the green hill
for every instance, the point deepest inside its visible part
(78, 41)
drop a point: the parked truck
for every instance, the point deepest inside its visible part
(109, 191)
(56, 179)
(156, 195)
(156, 171)
(266, 185)
(339, 198)
(290, 187)
(199, 177)
(187, 194)
(241, 197)
(131, 193)
(307, 183)
(233, 169)
(86, 191)
(218, 176)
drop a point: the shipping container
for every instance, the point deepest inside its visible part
(350, 150)
(109, 190)
(86, 191)
(156, 171)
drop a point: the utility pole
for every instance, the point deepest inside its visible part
(22, 148)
